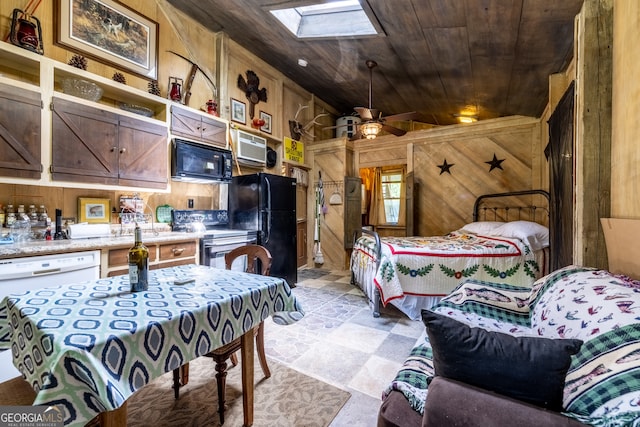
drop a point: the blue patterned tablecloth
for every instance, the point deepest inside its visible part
(89, 346)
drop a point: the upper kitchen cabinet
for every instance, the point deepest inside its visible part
(93, 145)
(119, 138)
(198, 126)
(20, 130)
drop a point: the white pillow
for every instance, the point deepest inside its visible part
(531, 233)
(482, 227)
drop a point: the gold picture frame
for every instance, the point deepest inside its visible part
(94, 211)
(109, 32)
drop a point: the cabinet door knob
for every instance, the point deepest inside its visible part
(113, 149)
(177, 251)
(204, 129)
(123, 150)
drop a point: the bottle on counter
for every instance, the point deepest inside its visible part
(22, 215)
(1, 216)
(10, 216)
(33, 214)
(138, 264)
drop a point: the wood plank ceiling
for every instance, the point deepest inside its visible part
(438, 57)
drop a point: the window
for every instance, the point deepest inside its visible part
(345, 18)
(391, 194)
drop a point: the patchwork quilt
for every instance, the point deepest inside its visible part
(434, 266)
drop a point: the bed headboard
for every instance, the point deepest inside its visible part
(528, 205)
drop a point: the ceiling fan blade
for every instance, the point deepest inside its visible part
(413, 115)
(394, 130)
(364, 113)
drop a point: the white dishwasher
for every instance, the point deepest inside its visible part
(28, 273)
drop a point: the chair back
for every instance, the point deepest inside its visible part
(258, 258)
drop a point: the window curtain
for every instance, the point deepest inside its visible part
(402, 209)
(376, 207)
(377, 214)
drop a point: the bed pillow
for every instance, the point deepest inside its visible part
(482, 227)
(530, 369)
(531, 233)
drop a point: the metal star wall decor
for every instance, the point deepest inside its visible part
(495, 163)
(445, 167)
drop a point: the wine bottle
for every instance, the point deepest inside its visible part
(138, 264)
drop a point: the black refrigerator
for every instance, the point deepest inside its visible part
(267, 203)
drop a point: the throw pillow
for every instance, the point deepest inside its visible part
(530, 369)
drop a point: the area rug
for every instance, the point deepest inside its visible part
(286, 399)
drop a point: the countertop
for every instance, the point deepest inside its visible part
(46, 247)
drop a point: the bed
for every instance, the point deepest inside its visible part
(507, 242)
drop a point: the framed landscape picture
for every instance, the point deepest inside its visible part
(238, 111)
(109, 32)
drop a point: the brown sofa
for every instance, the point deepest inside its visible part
(454, 404)
(571, 304)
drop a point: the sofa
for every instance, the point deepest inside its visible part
(565, 352)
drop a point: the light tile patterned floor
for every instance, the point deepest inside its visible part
(340, 342)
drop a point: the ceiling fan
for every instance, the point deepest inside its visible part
(372, 120)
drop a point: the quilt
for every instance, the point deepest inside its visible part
(434, 266)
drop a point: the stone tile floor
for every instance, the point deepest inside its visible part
(341, 343)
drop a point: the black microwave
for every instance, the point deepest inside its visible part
(193, 162)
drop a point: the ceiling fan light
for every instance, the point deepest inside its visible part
(466, 118)
(370, 130)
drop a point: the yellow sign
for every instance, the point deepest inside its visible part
(293, 150)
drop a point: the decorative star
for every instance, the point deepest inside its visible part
(495, 163)
(445, 167)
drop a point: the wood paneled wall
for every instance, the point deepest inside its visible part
(334, 160)
(625, 145)
(444, 201)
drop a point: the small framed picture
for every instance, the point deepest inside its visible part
(267, 122)
(238, 111)
(94, 211)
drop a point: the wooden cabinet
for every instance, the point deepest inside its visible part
(198, 126)
(20, 132)
(161, 255)
(93, 145)
(103, 143)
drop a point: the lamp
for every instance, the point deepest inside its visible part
(466, 117)
(370, 129)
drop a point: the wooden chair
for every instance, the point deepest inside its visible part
(258, 261)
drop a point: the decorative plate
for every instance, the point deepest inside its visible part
(163, 213)
(137, 109)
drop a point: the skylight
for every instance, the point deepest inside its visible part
(345, 18)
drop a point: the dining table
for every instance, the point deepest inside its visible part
(87, 347)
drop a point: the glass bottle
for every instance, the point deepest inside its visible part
(42, 215)
(11, 216)
(21, 215)
(138, 264)
(33, 213)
